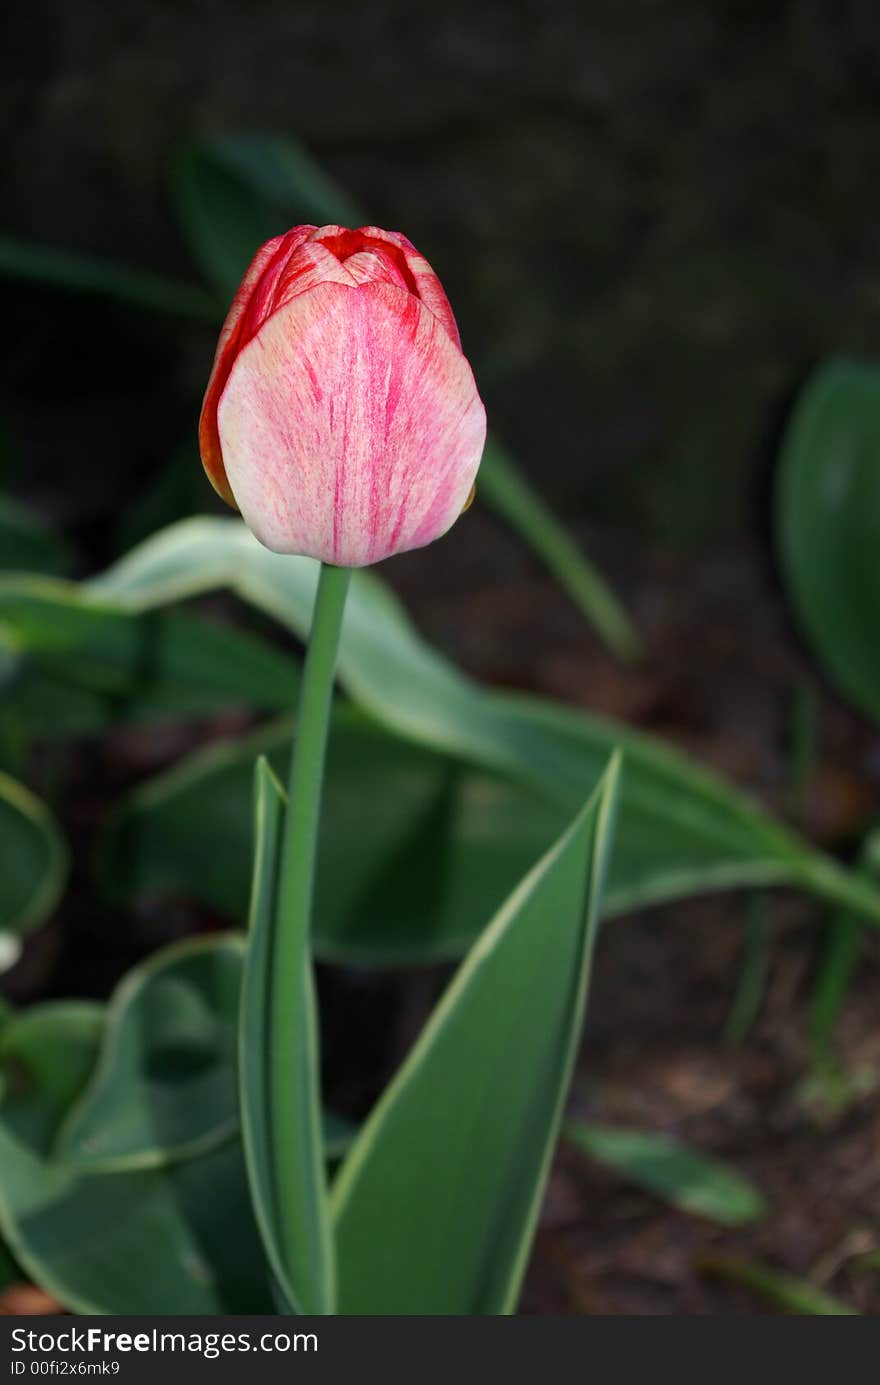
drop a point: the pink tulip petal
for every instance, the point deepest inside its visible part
(253, 290)
(427, 286)
(351, 426)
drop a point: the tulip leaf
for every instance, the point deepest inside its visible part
(682, 831)
(786, 1291)
(426, 860)
(86, 274)
(302, 1262)
(164, 1085)
(828, 523)
(178, 1240)
(114, 666)
(437, 1201)
(673, 1171)
(163, 1088)
(33, 865)
(234, 193)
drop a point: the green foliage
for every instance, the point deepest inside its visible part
(828, 525)
(234, 192)
(681, 830)
(290, 1202)
(678, 1174)
(839, 958)
(174, 1239)
(76, 663)
(784, 1291)
(828, 522)
(437, 1201)
(33, 865)
(503, 486)
(163, 1088)
(123, 1186)
(407, 871)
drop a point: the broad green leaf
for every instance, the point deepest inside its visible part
(290, 1203)
(828, 524)
(234, 193)
(85, 274)
(786, 1291)
(178, 1240)
(27, 544)
(114, 666)
(436, 1204)
(163, 1088)
(33, 865)
(681, 830)
(404, 874)
(677, 1173)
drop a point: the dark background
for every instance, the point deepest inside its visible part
(652, 219)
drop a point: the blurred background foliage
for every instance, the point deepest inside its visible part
(653, 223)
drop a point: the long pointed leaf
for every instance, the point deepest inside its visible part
(676, 1172)
(300, 1268)
(436, 1205)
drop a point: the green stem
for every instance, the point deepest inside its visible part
(297, 1154)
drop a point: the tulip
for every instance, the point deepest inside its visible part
(341, 417)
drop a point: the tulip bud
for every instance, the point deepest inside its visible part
(341, 416)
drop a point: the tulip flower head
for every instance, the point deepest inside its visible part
(341, 417)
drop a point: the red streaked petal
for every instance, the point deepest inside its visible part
(374, 265)
(426, 283)
(257, 283)
(351, 426)
(415, 272)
